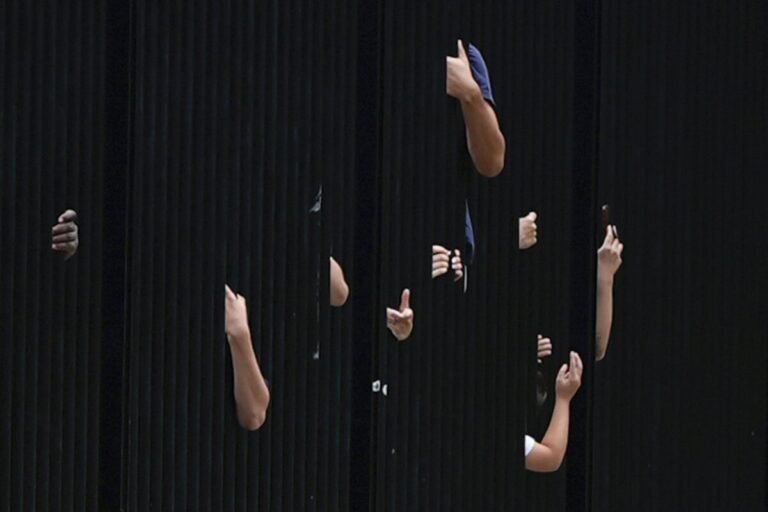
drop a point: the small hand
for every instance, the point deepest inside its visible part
(442, 261)
(544, 348)
(400, 322)
(235, 316)
(609, 254)
(64, 235)
(440, 258)
(528, 235)
(569, 378)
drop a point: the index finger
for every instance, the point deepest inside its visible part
(439, 248)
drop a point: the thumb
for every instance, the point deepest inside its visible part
(228, 292)
(561, 373)
(462, 52)
(405, 300)
(68, 215)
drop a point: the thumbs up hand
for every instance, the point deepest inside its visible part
(459, 82)
(400, 322)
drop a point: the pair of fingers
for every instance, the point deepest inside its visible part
(442, 261)
(231, 296)
(573, 369)
(611, 240)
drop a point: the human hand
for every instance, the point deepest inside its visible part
(527, 232)
(543, 348)
(442, 261)
(569, 378)
(235, 316)
(64, 236)
(459, 82)
(400, 322)
(609, 255)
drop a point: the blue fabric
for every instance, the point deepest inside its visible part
(480, 73)
(469, 236)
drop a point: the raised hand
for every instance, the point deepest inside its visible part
(235, 316)
(569, 378)
(459, 82)
(442, 261)
(527, 233)
(609, 254)
(543, 348)
(400, 321)
(64, 236)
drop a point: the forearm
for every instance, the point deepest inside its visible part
(556, 437)
(251, 391)
(484, 138)
(604, 316)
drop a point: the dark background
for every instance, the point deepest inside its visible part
(192, 139)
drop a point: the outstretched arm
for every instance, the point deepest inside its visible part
(547, 455)
(251, 391)
(608, 263)
(484, 138)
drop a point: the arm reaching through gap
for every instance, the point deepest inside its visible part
(547, 455)
(484, 138)
(608, 263)
(251, 391)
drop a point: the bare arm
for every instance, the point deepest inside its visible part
(604, 317)
(339, 288)
(251, 391)
(484, 138)
(549, 453)
(608, 263)
(485, 141)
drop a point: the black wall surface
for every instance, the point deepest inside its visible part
(238, 112)
(52, 139)
(679, 401)
(193, 138)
